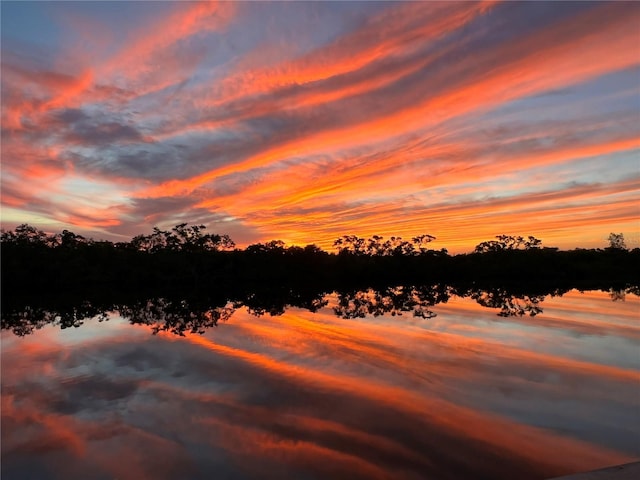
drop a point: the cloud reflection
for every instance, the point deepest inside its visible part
(466, 394)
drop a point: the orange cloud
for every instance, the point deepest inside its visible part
(517, 74)
(390, 174)
(377, 117)
(145, 58)
(551, 214)
(394, 32)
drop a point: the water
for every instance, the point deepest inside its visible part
(466, 393)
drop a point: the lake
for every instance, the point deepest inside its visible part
(479, 387)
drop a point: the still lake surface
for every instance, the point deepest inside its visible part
(464, 394)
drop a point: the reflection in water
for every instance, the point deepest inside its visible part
(621, 293)
(509, 305)
(25, 320)
(392, 301)
(338, 386)
(175, 317)
(276, 301)
(181, 316)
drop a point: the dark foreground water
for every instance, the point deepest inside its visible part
(464, 394)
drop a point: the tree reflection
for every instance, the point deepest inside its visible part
(275, 301)
(392, 301)
(620, 293)
(617, 294)
(197, 315)
(28, 319)
(176, 317)
(510, 305)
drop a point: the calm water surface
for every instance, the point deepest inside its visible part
(465, 394)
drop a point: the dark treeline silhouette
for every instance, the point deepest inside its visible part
(186, 258)
(197, 313)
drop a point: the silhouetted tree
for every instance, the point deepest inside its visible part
(351, 244)
(377, 246)
(616, 241)
(274, 246)
(420, 242)
(185, 258)
(182, 238)
(70, 240)
(26, 235)
(508, 242)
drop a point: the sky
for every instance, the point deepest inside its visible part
(306, 121)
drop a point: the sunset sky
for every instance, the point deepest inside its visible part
(306, 121)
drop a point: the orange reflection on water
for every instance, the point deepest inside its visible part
(456, 396)
(495, 432)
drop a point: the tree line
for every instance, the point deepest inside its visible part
(192, 238)
(188, 258)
